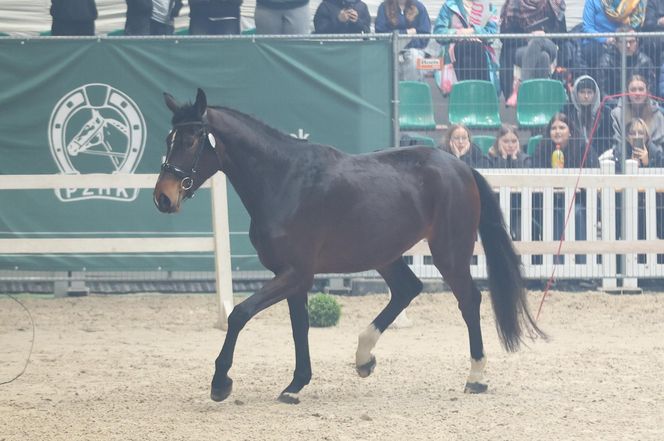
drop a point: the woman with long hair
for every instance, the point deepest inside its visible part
(406, 16)
(639, 146)
(637, 104)
(506, 151)
(459, 142)
(561, 134)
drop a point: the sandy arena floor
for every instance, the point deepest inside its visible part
(138, 367)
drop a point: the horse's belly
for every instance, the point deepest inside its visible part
(362, 253)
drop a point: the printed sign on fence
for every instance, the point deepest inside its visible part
(429, 63)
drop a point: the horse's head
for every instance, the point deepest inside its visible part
(88, 135)
(190, 154)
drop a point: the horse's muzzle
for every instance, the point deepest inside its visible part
(164, 203)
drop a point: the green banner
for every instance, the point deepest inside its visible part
(96, 106)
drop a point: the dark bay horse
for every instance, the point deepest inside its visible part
(315, 209)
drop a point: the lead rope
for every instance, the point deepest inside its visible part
(32, 341)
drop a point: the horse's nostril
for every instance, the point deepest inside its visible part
(164, 202)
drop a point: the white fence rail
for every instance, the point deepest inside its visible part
(218, 243)
(591, 253)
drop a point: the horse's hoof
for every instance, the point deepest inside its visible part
(288, 398)
(366, 369)
(475, 388)
(221, 393)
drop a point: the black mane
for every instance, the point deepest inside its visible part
(258, 126)
(189, 113)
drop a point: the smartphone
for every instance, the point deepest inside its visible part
(638, 143)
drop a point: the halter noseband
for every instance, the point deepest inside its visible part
(187, 177)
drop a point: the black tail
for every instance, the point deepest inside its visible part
(508, 295)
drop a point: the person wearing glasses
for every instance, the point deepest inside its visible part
(608, 73)
(459, 142)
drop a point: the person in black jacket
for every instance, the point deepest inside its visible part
(582, 111)
(214, 17)
(506, 151)
(458, 141)
(562, 132)
(151, 17)
(608, 73)
(73, 17)
(342, 17)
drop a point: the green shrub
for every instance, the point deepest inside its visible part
(323, 310)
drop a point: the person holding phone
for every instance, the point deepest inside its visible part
(342, 17)
(639, 146)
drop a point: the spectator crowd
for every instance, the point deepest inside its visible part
(589, 68)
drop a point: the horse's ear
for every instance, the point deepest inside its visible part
(201, 102)
(170, 102)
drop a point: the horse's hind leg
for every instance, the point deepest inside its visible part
(297, 305)
(405, 286)
(469, 299)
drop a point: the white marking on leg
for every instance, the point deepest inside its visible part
(476, 370)
(365, 343)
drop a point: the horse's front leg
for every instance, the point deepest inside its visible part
(297, 305)
(285, 284)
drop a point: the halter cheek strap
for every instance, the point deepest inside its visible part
(187, 177)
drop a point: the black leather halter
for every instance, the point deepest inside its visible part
(187, 177)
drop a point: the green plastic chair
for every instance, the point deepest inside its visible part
(474, 104)
(415, 106)
(181, 31)
(116, 33)
(250, 31)
(422, 140)
(484, 142)
(538, 101)
(533, 142)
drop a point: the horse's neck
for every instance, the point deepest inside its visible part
(254, 168)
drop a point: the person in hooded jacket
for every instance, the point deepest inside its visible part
(459, 142)
(582, 111)
(342, 17)
(73, 17)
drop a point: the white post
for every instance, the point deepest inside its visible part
(222, 250)
(608, 195)
(631, 225)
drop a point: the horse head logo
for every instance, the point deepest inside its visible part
(96, 129)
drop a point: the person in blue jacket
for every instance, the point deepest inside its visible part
(406, 16)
